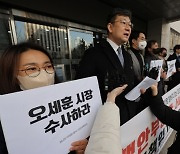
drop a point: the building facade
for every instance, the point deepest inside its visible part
(65, 41)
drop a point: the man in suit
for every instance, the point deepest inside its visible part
(111, 64)
(175, 78)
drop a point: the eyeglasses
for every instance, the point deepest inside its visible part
(34, 71)
(125, 23)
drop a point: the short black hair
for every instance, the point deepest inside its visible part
(118, 12)
(176, 47)
(134, 35)
(150, 43)
(160, 50)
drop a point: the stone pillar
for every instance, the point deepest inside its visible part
(165, 35)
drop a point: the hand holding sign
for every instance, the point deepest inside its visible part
(158, 65)
(135, 93)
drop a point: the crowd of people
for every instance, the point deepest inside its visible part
(118, 69)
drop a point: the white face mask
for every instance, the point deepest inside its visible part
(43, 79)
(142, 45)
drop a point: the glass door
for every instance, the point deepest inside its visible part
(53, 39)
(5, 32)
(80, 40)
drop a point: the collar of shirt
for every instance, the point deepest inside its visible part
(113, 45)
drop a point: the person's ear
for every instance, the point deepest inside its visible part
(133, 41)
(109, 27)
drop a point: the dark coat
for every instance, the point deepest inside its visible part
(148, 58)
(169, 117)
(102, 59)
(175, 78)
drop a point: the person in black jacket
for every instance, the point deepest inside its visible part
(138, 43)
(166, 115)
(175, 78)
(109, 61)
(150, 52)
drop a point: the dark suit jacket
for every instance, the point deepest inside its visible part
(175, 79)
(99, 60)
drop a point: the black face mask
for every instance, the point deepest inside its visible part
(164, 55)
(155, 51)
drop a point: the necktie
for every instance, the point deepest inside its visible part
(120, 56)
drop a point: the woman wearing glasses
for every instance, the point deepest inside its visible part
(27, 66)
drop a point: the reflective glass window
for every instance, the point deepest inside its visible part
(80, 40)
(53, 39)
(5, 33)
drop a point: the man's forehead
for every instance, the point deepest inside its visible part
(142, 35)
(123, 17)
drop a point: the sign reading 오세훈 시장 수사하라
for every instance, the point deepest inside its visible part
(48, 119)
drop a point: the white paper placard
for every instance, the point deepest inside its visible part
(144, 84)
(75, 102)
(171, 68)
(158, 64)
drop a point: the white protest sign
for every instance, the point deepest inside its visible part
(171, 68)
(47, 120)
(145, 133)
(144, 84)
(157, 64)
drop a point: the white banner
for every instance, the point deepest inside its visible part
(47, 120)
(145, 134)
